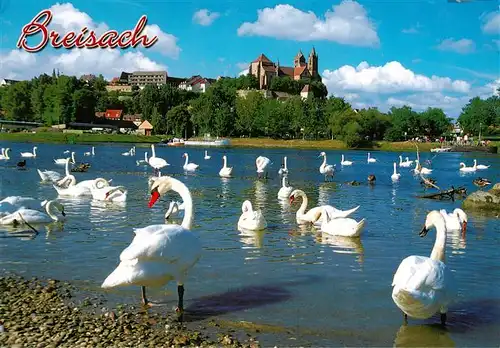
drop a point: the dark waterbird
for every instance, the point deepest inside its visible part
(21, 164)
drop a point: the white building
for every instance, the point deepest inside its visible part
(195, 84)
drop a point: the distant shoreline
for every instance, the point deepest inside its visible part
(86, 138)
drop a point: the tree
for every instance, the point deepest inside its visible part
(148, 100)
(84, 105)
(17, 101)
(481, 113)
(179, 120)
(249, 113)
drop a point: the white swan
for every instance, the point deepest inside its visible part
(160, 253)
(189, 167)
(66, 152)
(455, 221)
(406, 164)
(225, 171)
(464, 168)
(29, 154)
(371, 159)
(344, 227)
(251, 220)
(283, 170)
(261, 163)
(32, 216)
(477, 166)
(12, 203)
(314, 215)
(395, 175)
(285, 190)
(108, 193)
(344, 162)
(207, 157)
(424, 285)
(156, 162)
(130, 152)
(326, 169)
(5, 154)
(173, 209)
(144, 161)
(53, 176)
(90, 153)
(64, 160)
(421, 170)
(68, 186)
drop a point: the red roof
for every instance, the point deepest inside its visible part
(299, 70)
(262, 58)
(113, 114)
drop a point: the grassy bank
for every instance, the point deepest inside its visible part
(327, 144)
(69, 138)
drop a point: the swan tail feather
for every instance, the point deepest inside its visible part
(359, 228)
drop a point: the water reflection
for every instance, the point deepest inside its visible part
(252, 238)
(423, 336)
(286, 211)
(224, 183)
(343, 245)
(323, 197)
(260, 194)
(456, 241)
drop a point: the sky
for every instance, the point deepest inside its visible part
(378, 53)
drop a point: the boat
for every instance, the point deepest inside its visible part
(217, 142)
(441, 149)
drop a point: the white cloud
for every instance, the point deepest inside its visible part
(205, 17)
(491, 23)
(243, 72)
(412, 30)
(389, 78)
(348, 24)
(462, 46)
(22, 65)
(68, 18)
(243, 65)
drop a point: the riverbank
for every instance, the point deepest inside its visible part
(40, 313)
(71, 138)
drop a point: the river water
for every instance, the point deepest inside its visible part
(300, 286)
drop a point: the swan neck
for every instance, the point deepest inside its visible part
(66, 168)
(153, 153)
(183, 191)
(395, 168)
(225, 161)
(324, 160)
(438, 251)
(34, 151)
(283, 181)
(285, 163)
(304, 203)
(187, 160)
(48, 209)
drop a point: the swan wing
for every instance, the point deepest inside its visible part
(420, 273)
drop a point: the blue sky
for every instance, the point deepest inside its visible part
(419, 53)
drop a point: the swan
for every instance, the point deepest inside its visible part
(464, 168)
(455, 221)
(53, 176)
(370, 159)
(477, 166)
(261, 163)
(63, 160)
(160, 253)
(314, 215)
(406, 164)
(35, 216)
(344, 227)
(156, 162)
(326, 169)
(285, 190)
(344, 162)
(424, 285)
(207, 157)
(29, 154)
(90, 153)
(5, 154)
(421, 170)
(68, 186)
(189, 167)
(66, 152)
(130, 152)
(395, 176)
(284, 169)
(144, 161)
(173, 209)
(108, 193)
(225, 171)
(251, 220)
(13, 203)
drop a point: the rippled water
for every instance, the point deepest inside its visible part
(304, 287)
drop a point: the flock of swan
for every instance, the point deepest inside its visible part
(422, 286)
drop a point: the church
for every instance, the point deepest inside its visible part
(264, 69)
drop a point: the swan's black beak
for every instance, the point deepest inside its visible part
(63, 213)
(423, 232)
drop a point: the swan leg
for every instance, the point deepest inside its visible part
(443, 319)
(145, 301)
(405, 319)
(180, 304)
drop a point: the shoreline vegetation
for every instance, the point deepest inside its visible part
(39, 313)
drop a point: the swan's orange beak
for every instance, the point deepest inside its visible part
(154, 197)
(292, 198)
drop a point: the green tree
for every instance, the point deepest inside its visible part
(249, 110)
(17, 101)
(84, 104)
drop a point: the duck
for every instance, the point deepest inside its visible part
(371, 179)
(314, 215)
(424, 285)
(285, 190)
(173, 209)
(344, 162)
(370, 159)
(344, 227)
(160, 253)
(207, 157)
(284, 168)
(481, 182)
(327, 170)
(251, 220)
(395, 175)
(21, 164)
(30, 154)
(32, 216)
(189, 167)
(480, 166)
(225, 171)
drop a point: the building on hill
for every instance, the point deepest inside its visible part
(143, 78)
(264, 69)
(88, 78)
(196, 84)
(7, 82)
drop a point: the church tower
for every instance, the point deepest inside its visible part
(299, 60)
(312, 63)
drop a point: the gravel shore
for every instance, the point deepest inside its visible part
(41, 313)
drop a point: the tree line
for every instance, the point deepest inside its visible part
(234, 107)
